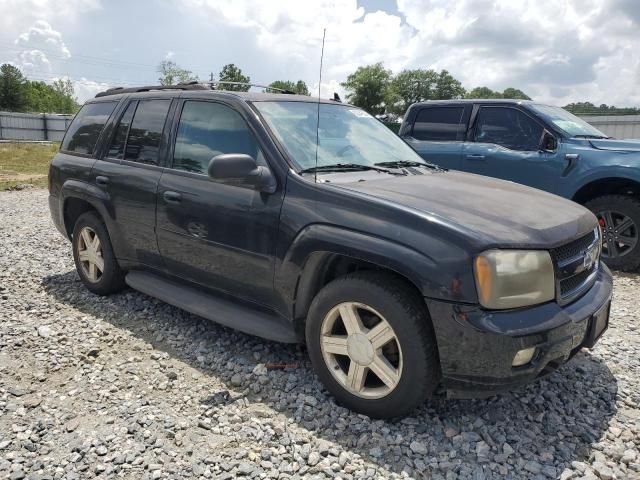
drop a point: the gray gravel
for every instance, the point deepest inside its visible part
(129, 387)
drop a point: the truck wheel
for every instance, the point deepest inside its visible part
(95, 262)
(372, 345)
(619, 219)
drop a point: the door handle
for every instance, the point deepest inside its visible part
(475, 156)
(171, 197)
(102, 181)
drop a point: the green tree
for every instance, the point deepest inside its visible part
(368, 87)
(12, 88)
(448, 87)
(515, 93)
(410, 86)
(64, 96)
(231, 73)
(483, 92)
(171, 73)
(299, 87)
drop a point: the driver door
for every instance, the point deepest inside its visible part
(505, 143)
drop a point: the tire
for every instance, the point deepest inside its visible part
(411, 354)
(616, 209)
(111, 278)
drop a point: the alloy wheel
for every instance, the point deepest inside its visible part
(361, 350)
(619, 233)
(90, 254)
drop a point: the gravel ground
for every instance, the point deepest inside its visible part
(129, 387)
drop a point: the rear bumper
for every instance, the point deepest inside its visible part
(477, 346)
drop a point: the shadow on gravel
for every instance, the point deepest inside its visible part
(540, 429)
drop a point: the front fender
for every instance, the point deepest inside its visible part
(311, 247)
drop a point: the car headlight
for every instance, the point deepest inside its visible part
(514, 278)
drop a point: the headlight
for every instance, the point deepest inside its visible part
(514, 278)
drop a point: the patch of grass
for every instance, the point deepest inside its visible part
(25, 164)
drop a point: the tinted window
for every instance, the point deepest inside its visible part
(145, 133)
(509, 128)
(83, 133)
(116, 150)
(208, 129)
(439, 124)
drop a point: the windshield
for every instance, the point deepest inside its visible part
(347, 135)
(567, 122)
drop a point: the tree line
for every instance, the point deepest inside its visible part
(17, 94)
(171, 74)
(374, 88)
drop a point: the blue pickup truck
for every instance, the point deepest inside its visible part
(541, 146)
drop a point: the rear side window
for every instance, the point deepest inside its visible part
(208, 129)
(143, 142)
(83, 133)
(509, 128)
(116, 149)
(439, 124)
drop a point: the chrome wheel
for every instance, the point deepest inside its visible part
(361, 350)
(90, 254)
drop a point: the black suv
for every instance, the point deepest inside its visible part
(400, 276)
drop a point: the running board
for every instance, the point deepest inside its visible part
(220, 310)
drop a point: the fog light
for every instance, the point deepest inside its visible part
(523, 357)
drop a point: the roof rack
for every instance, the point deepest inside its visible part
(194, 85)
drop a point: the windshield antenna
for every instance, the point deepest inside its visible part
(315, 179)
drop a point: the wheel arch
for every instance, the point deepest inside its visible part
(607, 186)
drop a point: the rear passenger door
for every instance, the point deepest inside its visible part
(128, 172)
(438, 132)
(217, 235)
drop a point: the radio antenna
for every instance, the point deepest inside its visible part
(315, 179)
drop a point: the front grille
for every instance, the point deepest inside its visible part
(574, 248)
(571, 284)
(572, 276)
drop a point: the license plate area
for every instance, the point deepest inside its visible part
(598, 323)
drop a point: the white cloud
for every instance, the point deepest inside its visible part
(556, 50)
(86, 89)
(36, 45)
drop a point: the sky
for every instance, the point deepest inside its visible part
(557, 51)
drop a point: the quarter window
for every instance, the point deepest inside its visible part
(509, 128)
(439, 124)
(207, 129)
(83, 133)
(143, 143)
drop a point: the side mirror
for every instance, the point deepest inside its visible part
(241, 170)
(549, 143)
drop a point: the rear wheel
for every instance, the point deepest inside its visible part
(371, 343)
(619, 219)
(95, 262)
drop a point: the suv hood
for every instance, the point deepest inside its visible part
(616, 145)
(494, 212)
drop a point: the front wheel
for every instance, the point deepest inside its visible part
(619, 219)
(371, 343)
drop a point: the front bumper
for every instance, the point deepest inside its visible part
(477, 346)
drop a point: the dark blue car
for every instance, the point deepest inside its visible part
(541, 146)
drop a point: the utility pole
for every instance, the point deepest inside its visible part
(211, 77)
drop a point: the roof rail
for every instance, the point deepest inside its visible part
(193, 85)
(149, 88)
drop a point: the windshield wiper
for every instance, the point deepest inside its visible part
(409, 163)
(599, 137)
(346, 167)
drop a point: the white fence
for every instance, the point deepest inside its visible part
(616, 126)
(33, 126)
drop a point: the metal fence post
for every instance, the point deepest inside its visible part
(44, 126)
(0, 127)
